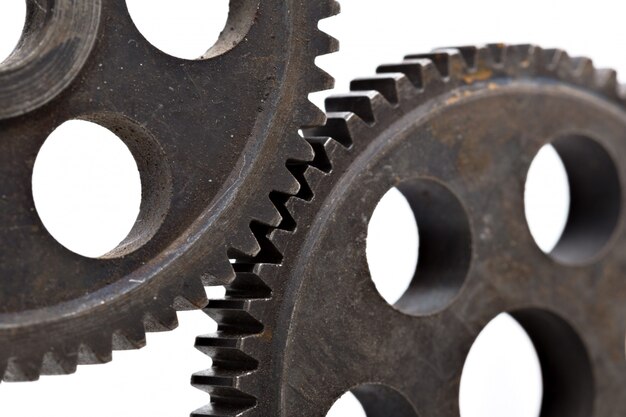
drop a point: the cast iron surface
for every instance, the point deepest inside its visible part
(211, 137)
(455, 131)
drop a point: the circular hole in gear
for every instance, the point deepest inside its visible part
(392, 245)
(419, 274)
(372, 400)
(573, 199)
(347, 405)
(12, 20)
(192, 29)
(546, 198)
(527, 363)
(86, 188)
(502, 373)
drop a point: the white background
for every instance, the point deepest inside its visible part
(89, 207)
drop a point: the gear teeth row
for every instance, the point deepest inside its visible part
(245, 289)
(98, 348)
(417, 78)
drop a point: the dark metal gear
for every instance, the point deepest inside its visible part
(455, 131)
(207, 135)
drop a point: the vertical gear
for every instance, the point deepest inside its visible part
(456, 131)
(212, 139)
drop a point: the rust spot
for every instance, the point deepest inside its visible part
(480, 75)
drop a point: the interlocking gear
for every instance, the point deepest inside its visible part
(212, 139)
(455, 131)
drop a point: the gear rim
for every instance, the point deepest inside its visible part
(249, 359)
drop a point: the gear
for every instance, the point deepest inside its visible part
(455, 131)
(206, 134)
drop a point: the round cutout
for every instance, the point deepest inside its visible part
(12, 20)
(86, 188)
(419, 274)
(572, 199)
(528, 363)
(185, 28)
(546, 198)
(502, 374)
(372, 400)
(347, 405)
(392, 245)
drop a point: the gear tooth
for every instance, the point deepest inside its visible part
(132, 337)
(226, 398)
(340, 126)
(224, 350)
(321, 160)
(496, 53)
(550, 57)
(268, 270)
(291, 186)
(219, 378)
(222, 410)
(249, 285)
(160, 320)
(584, 70)
(335, 8)
(440, 60)
(332, 148)
(294, 205)
(313, 115)
(323, 43)
(518, 58)
(192, 296)
(267, 214)
(421, 72)
(483, 59)
(245, 245)
(388, 85)
(282, 238)
(301, 149)
(320, 80)
(231, 316)
(469, 54)
(333, 154)
(279, 200)
(23, 370)
(96, 352)
(518, 53)
(360, 103)
(563, 64)
(457, 64)
(606, 81)
(219, 272)
(59, 363)
(536, 57)
(314, 176)
(288, 183)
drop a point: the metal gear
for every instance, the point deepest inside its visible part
(455, 131)
(206, 134)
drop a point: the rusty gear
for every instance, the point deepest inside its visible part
(207, 135)
(455, 131)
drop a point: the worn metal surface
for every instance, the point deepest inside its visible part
(211, 138)
(456, 132)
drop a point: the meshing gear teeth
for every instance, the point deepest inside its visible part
(456, 131)
(206, 134)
